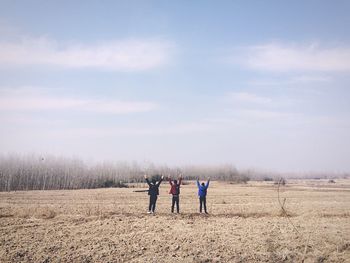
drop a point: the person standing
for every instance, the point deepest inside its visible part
(175, 192)
(153, 192)
(202, 193)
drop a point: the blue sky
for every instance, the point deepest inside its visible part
(257, 84)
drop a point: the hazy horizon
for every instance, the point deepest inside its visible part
(259, 85)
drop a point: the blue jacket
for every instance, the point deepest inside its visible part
(202, 190)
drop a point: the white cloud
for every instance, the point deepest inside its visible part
(174, 129)
(119, 55)
(291, 57)
(29, 101)
(299, 79)
(245, 97)
(310, 78)
(263, 114)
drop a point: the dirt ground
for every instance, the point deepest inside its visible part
(244, 224)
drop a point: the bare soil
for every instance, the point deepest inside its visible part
(245, 224)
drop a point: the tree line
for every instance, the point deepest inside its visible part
(34, 172)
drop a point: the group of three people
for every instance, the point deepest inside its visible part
(153, 193)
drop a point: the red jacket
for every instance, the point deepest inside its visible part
(175, 188)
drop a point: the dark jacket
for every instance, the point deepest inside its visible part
(202, 190)
(153, 188)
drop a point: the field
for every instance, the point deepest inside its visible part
(245, 224)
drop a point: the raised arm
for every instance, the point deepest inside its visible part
(161, 179)
(147, 180)
(207, 185)
(170, 181)
(198, 185)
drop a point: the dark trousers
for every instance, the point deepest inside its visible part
(152, 202)
(202, 201)
(175, 200)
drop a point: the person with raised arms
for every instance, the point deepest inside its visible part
(153, 192)
(202, 193)
(175, 192)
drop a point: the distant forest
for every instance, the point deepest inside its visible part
(34, 172)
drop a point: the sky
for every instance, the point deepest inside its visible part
(258, 84)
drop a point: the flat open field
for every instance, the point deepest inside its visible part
(244, 225)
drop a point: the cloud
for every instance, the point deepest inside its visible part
(245, 97)
(263, 114)
(310, 78)
(118, 55)
(299, 79)
(246, 107)
(174, 129)
(29, 101)
(291, 57)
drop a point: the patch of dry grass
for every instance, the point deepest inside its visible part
(337, 215)
(45, 213)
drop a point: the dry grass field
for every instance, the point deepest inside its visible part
(245, 224)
